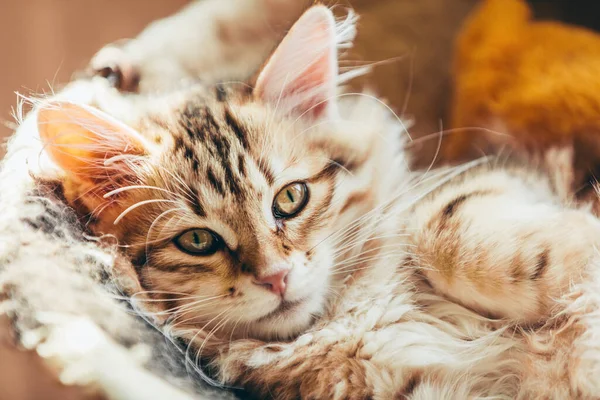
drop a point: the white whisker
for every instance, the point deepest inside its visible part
(156, 221)
(139, 204)
(132, 187)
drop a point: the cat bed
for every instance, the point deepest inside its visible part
(61, 295)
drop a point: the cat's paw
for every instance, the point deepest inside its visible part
(68, 348)
(116, 65)
(81, 353)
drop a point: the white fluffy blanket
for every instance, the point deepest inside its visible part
(58, 288)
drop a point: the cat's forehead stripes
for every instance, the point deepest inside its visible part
(218, 148)
(237, 129)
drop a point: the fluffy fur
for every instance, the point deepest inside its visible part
(55, 280)
(432, 294)
(212, 40)
(399, 285)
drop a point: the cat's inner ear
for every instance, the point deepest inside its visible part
(301, 75)
(89, 145)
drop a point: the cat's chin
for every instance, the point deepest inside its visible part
(288, 320)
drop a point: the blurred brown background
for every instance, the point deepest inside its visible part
(45, 41)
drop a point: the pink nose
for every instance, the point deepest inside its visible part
(276, 282)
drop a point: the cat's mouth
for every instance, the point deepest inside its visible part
(285, 307)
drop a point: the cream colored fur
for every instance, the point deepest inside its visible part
(391, 330)
(213, 40)
(382, 338)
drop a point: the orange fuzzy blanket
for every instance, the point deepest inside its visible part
(533, 84)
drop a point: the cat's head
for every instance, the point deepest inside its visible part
(236, 205)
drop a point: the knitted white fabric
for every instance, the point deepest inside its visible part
(58, 288)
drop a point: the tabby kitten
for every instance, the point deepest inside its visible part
(278, 231)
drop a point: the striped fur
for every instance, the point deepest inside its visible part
(473, 282)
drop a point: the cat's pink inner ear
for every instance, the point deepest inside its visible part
(301, 75)
(83, 141)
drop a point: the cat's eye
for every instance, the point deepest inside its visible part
(290, 200)
(200, 242)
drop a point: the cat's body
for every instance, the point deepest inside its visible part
(474, 281)
(392, 332)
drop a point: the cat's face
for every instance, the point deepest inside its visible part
(250, 200)
(230, 204)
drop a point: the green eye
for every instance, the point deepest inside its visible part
(200, 242)
(290, 200)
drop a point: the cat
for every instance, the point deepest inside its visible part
(234, 36)
(277, 229)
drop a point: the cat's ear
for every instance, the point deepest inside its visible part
(88, 144)
(301, 75)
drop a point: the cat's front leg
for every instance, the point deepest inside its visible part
(211, 40)
(312, 367)
(84, 355)
(500, 242)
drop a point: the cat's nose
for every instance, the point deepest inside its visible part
(276, 282)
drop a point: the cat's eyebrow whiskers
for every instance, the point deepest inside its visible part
(139, 204)
(186, 189)
(332, 161)
(132, 187)
(340, 95)
(159, 237)
(307, 129)
(329, 161)
(264, 149)
(371, 97)
(100, 209)
(154, 223)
